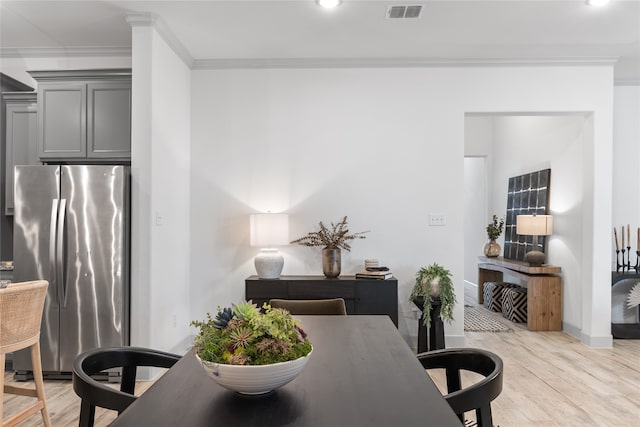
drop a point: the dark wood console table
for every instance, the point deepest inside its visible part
(544, 289)
(361, 296)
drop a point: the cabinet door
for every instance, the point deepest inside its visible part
(21, 142)
(62, 131)
(109, 119)
(378, 297)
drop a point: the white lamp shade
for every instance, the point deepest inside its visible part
(534, 225)
(269, 229)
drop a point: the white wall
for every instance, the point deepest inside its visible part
(322, 143)
(478, 151)
(475, 214)
(318, 143)
(626, 158)
(160, 162)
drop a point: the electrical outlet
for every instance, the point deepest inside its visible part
(437, 220)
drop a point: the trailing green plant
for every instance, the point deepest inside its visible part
(494, 228)
(243, 335)
(422, 289)
(332, 238)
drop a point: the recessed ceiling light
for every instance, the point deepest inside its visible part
(329, 4)
(597, 2)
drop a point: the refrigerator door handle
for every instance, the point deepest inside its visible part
(53, 272)
(62, 294)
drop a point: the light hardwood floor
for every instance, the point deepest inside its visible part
(550, 379)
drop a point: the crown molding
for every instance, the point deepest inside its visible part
(150, 20)
(626, 82)
(49, 52)
(141, 19)
(206, 64)
(81, 75)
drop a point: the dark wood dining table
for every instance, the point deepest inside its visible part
(361, 373)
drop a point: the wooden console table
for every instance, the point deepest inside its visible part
(361, 296)
(544, 289)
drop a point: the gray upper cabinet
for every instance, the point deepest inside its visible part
(62, 122)
(84, 114)
(7, 84)
(21, 137)
(109, 119)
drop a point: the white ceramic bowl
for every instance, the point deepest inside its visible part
(254, 379)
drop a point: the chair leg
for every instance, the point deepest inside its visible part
(128, 384)
(2, 362)
(87, 414)
(453, 379)
(36, 365)
(483, 416)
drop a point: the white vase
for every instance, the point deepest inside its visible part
(434, 289)
(254, 379)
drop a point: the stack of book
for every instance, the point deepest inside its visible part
(377, 273)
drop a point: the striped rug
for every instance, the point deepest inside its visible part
(477, 321)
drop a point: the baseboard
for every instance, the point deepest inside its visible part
(454, 341)
(475, 285)
(572, 330)
(597, 342)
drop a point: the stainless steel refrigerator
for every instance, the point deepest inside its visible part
(71, 227)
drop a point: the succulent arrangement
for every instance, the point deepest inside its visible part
(335, 237)
(434, 282)
(494, 228)
(243, 335)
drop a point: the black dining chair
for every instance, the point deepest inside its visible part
(333, 306)
(477, 396)
(94, 393)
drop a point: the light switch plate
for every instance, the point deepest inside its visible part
(437, 220)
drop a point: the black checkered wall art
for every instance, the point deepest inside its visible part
(527, 194)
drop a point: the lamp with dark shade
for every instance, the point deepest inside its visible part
(534, 225)
(268, 230)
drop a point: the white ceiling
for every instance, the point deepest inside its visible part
(215, 31)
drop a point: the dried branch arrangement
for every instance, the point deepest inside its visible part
(335, 237)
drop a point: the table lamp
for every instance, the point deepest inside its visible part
(534, 225)
(266, 231)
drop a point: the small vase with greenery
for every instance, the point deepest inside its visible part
(494, 230)
(434, 282)
(331, 239)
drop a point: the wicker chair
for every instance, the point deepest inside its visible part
(21, 306)
(333, 306)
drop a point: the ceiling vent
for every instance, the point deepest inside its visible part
(401, 12)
